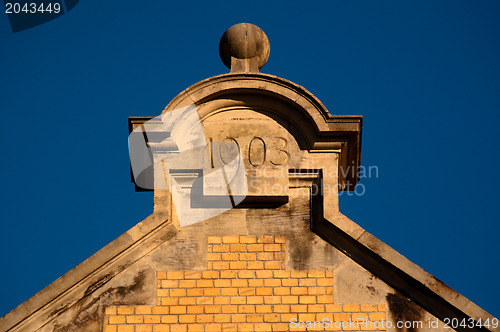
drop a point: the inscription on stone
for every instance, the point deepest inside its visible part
(265, 145)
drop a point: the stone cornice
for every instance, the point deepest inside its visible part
(319, 129)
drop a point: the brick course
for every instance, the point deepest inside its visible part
(246, 287)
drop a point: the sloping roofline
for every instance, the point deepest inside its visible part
(368, 251)
(329, 132)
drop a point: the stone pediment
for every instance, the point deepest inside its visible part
(297, 110)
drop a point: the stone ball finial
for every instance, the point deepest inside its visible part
(244, 47)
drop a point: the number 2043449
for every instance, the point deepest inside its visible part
(32, 8)
(455, 323)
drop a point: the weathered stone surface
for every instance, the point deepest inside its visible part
(288, 141)
(244, 47)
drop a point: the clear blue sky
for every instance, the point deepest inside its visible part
(424, 74)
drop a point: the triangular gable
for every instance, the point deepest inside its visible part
(312, 154)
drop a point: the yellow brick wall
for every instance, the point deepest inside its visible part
(246, 287)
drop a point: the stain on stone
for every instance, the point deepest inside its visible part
(404, 310)
(123, 291)
(186, 253)
(89, 312)
(373, 290)
(300, 251)
(99, 283)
